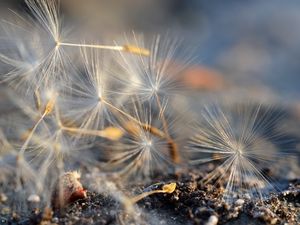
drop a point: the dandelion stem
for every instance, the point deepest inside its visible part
(172, 145)
(37, 99)
(111, 133)
(126, 48)
(48, 109)
(109, 47)
(120, 111)
(24, 146)
(153, 130)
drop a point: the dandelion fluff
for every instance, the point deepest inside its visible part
(244, 142)
(145, 150)
(156, 74)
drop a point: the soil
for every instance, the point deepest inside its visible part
(191, 203)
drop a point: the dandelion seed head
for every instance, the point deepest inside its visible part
(144, 150)
(84, 100)
(30, 47)
(147, 143)
(47, 15)
(242, 140)
(155, 74)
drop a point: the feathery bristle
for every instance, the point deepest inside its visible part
(242, 139)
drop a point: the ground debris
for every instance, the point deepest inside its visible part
(192, 202)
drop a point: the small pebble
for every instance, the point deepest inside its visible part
(239, 202)
(213, 220)
(55, 220)
(76, 218)
(274, 221)
(247, 196)
(3, 197)
(5, 211)
(34, 198)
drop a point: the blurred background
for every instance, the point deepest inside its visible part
(250, 45)
(242, 49)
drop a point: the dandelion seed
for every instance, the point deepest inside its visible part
(143, 152)
(153, 75)
(47, 145)
(48, 109)
(243, 141)
(32, 55)
(84, 103)
(34, 51)
(53, 143)
(125, 48)
(153, 79)
(167, 188)
(112, 133)
(92, 101)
